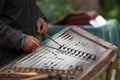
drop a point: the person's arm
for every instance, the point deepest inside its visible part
(41, 23)
(11, 38)
(14, 39)
(40, 13)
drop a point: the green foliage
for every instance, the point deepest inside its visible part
(54, 9)
(111, 9)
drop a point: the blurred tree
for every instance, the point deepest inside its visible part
(86, 5)
(118, 1)
(110, 9)
(89, 5)
(54, 9)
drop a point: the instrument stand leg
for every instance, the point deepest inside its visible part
(111, 72)
(104, 75)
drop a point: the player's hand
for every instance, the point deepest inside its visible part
(42, 26)
(30, 43)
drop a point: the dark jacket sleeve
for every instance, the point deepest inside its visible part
(9, 37)
(40, 13)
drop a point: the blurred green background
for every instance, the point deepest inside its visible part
(56, 9)
(110, 9)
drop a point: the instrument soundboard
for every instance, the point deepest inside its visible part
(73, 55)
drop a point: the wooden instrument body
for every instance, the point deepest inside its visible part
(105, 54)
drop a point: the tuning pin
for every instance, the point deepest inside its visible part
(79, 52)
(68, 37)
(68, 49)
(64, 47)
(71, 38)
(82, 53)
(71, 50)
(52, 63)
(85, 55)
(64, 35)
(93, 57)
(71, 67)
(75, 51)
